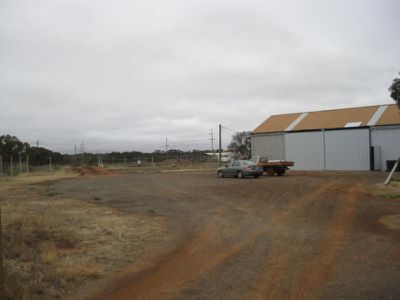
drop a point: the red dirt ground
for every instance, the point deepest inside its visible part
(314, 235)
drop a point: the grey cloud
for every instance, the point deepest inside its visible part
(122, 75)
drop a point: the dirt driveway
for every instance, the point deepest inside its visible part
(303, 236)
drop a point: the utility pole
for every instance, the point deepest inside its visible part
(212, 142)
(27, 164)
(20, 165)
(82, 150)
(11, 165)
(37, 143)
(220, 144)
(1, 166)
(74, 161)
(166, 148)
(50, 164)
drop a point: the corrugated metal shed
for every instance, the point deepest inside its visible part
(347, 149)
(337, 118)
(276, 123)
(306, 149)
(388, 139)
(331, 119)
(391, 116)
(338, 139)
(271, 145)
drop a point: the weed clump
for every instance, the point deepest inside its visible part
(23, 237)
(391, 196)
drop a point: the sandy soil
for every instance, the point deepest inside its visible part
(55, 244)
(315, 235)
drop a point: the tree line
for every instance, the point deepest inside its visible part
(11, 146)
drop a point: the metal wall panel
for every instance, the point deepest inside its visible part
(347, 149)
(271, 145)
(306, 149)
(388, 138)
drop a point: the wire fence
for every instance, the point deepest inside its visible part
(19, 165)
(41, 159)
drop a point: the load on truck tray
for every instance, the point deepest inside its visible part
(272, 167)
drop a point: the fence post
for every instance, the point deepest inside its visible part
(27, 164)
(11, 166)
(20, 165)
(392, 172)
(50, 164)
(1, 166)
(1, 258)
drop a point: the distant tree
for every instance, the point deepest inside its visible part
(241, 145)
(41, 156)
(394, 90)
(12, 146)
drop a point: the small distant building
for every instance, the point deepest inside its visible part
(226, 156)
(358, 138)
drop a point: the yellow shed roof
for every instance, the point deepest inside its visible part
(276, 123)
(329, 119)
(391, 116)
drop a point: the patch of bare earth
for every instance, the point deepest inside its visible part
(390, 192)
(55, 244)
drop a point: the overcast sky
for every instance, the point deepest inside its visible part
(122, 75)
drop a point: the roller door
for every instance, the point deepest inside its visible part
(271, 145)
(306, 149)
(347, 149)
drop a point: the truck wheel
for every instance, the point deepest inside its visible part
(240, 175)
(220, 175)
(270, 172)
(256, 176)
(280, 172)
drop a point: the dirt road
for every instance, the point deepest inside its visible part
(302, 236)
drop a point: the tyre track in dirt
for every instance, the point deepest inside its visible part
(303, 278)
(206, 251)
(271, 238)
(322, 266)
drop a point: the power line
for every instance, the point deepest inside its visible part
(212, 141)
(235, 131)
(82, 150)
(166, 148)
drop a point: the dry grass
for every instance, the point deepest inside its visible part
(82, 268)
(392, 190)
(391, 221)
(53, 244)
(48, 252)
